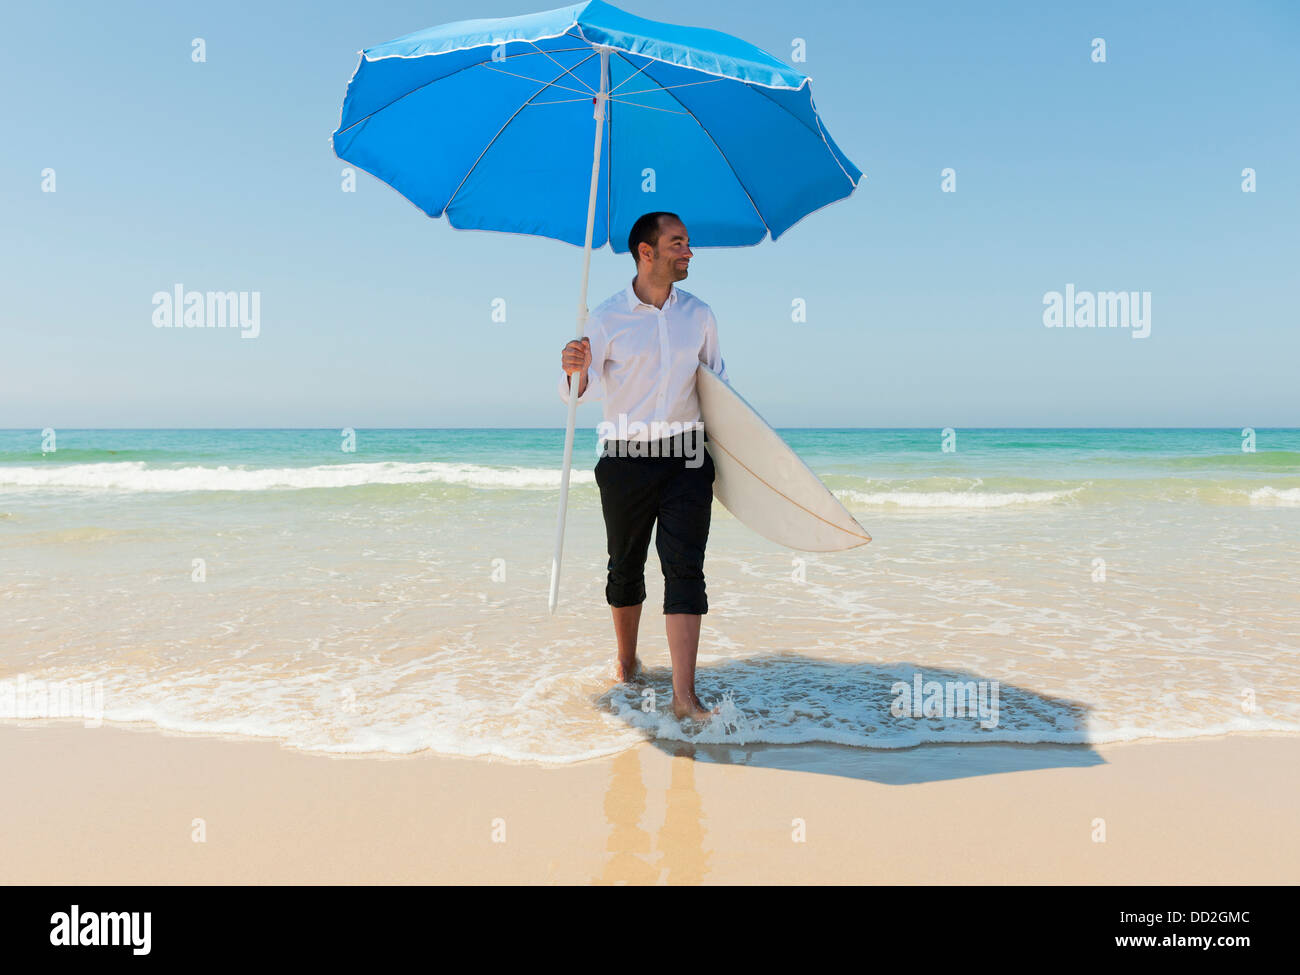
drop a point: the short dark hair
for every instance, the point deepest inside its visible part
(646, 231)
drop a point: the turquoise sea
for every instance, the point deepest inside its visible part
(1115, 584)
(1152, 463)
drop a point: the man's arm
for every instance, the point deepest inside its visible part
(711, 354)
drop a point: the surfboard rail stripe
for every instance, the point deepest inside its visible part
(713, 441)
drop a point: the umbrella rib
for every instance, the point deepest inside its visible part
(567, 70)
(820, 131)
(705, 130)
(539, 81)
(529, 54)
(533, 54)
(451, 199)
(653, 108)
(685, 84)
(631, 76)
(453, 74)
(561, 101)
(381, 108)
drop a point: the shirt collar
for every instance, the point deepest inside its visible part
(633, 301)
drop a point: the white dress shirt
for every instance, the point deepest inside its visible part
(643, 362)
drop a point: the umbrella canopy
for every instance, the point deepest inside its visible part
(490, 123)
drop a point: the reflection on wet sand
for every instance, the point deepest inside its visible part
(682, 858)
(681, 841)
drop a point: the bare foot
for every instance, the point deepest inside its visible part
(695, 709)
(624, 674)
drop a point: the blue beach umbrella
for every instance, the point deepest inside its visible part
(571, 123)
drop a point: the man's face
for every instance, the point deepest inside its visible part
(672, 253)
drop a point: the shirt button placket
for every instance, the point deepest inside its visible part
(664, 362)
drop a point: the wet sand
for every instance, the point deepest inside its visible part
(116, 805)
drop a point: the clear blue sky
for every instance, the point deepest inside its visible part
(924, 308)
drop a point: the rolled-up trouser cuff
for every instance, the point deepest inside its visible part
(683, 598)
(625, 594)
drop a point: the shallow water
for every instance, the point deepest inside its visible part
(1112, 585)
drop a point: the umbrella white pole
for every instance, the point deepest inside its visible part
(575, 379)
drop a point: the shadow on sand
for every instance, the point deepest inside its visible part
(795, 713)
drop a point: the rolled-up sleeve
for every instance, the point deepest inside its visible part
(595, 372)
(711, 353)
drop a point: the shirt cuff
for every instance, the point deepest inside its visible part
(564, 388)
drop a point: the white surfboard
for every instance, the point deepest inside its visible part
(763, 482)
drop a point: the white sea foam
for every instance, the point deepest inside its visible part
(952, 499)
(556, 719)
(135, 476)
(1268, 495)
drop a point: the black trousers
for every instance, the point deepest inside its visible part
(637, 491)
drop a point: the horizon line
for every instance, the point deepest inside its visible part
(593, 429)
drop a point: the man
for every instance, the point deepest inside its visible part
(641, 353)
